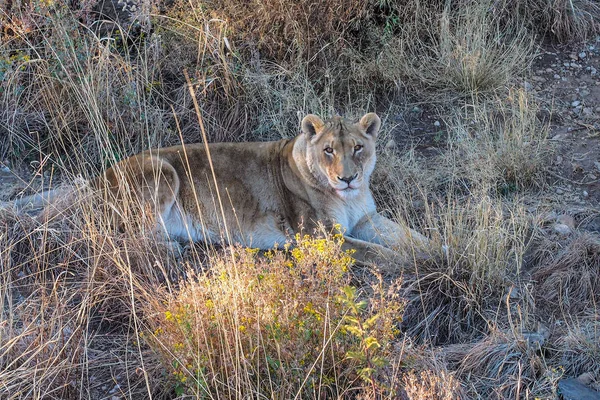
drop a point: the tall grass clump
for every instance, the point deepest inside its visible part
(469, 200)
(466, 50)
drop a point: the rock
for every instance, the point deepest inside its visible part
(582, 54)
(567, 220)
(573, 56)
(572, 389)
(527, 86)
(588, 111)
(576, 103)
(585, 93)
(597, 165)
(586, 378)
(556, 76)
(550, 69)
(585, 193)
(562, 229)
(539, 79)
(559, 159)
(437, 123)
(559, 191)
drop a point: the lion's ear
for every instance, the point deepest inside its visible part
(370, 123)
(312, 125)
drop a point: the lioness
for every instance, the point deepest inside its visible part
(266, 191)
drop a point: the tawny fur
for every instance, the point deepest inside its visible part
(268, 190)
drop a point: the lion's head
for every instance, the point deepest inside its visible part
(340, 153)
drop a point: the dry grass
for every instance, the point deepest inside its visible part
(568, 280)
(90, 311)
(465, 50)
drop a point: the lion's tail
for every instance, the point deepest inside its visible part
(35, 201)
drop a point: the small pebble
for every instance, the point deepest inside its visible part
(556, 76)
(582, 54)
(436, 123)
(575, 103)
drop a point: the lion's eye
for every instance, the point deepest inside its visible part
(358, 147)
(328, 150)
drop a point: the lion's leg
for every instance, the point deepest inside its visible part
(376, 228)
(387, 260)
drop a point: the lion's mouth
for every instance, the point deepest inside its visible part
(347, 189)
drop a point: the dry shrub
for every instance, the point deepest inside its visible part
(578, 349)
(568, 280)
(458, 50)
(432, 385)
(89, 102)
(503, 366)
(501, 145)
(565, 20)
(280, 30)
(457, 295)
(68, 307)
(275, 325)
(460, 199)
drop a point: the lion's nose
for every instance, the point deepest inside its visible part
(348, 180)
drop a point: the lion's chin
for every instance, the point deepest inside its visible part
(347, 193)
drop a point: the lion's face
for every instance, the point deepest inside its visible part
(340, 153)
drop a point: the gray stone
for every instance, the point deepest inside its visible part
(562, 229)
(566, 219)
(582, 54)
(572, 389)
(576, 103)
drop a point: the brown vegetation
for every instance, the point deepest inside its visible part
(506, 311)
